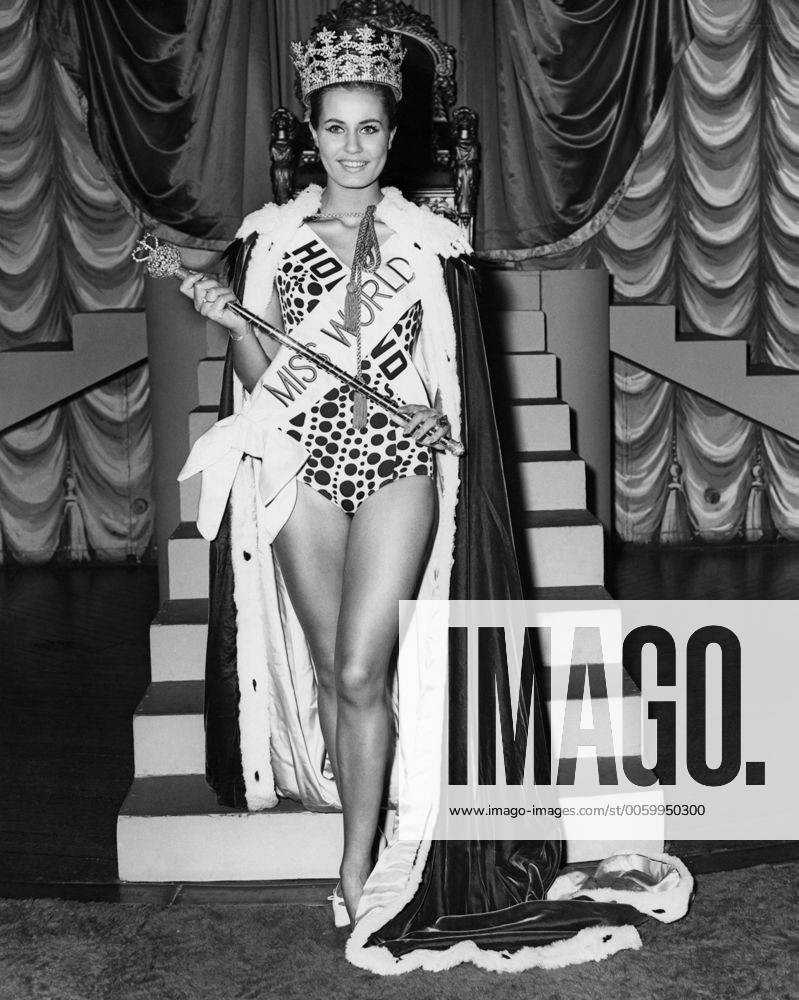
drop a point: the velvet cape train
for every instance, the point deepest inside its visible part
(435, 903)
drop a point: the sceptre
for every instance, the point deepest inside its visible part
(163, 261)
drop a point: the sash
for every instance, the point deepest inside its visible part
(292, 384)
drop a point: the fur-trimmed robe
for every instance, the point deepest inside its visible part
(431, 903)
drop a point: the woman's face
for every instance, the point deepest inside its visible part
(353, 136)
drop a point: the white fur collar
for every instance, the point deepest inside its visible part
(433, 232)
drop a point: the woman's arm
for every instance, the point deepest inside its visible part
(252, 353)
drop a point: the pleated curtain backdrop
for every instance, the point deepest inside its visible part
(74, 481)
(710, 223)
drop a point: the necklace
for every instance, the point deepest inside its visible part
(343, 215)
(339, 215)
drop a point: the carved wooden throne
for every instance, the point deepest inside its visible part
(435, 160)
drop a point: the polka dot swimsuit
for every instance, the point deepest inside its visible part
(347, 465)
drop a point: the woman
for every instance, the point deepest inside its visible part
(335, 515)
(355, 541)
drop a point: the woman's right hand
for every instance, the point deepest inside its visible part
(210, 300)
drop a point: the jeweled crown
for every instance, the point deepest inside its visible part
(362, 55)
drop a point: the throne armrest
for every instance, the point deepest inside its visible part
(284, 152)
(465, 168)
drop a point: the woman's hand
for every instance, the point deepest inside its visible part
(427, 425)
(210, 300)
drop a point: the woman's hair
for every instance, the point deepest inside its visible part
(385, 92)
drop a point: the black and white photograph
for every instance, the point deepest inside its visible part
(399, 499)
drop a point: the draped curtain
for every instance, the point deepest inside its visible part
(180, 97)
(75, 481)
(710, 223)
(184, 130)
(566, 93)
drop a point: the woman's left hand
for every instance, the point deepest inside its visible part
(427, 425)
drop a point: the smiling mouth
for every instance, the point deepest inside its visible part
(353, 164)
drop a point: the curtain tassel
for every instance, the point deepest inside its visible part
(74, 543)
(758, 526)
(675, 528)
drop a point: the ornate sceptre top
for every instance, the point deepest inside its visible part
(163, 261)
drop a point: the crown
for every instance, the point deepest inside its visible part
(363, 55)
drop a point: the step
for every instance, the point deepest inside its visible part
(169, 735)
(714, 367)
(178, 633)
(168, 729)
(580, 851)
(209, 381)
(579, 831)
(761, 368)
(569, 593)
(178, 636)
(172, 829)
(581, 633)
(502, 290)
(104, 343)
(514, 330)
(189, 491)
(522, 371)
(524, 375)
(535, 424)
(547, 480)
(200, 419)
(623, 706)
(187, 561)
(216, 340)
(563, 547)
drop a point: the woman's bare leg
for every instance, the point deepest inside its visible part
(310, 550)
(387, 542)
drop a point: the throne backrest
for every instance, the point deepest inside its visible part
(435, 158)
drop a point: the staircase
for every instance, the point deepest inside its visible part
(715, 367)
(559, 542)
(170, 827)
(103, 345)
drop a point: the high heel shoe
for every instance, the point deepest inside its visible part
(340, 916)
